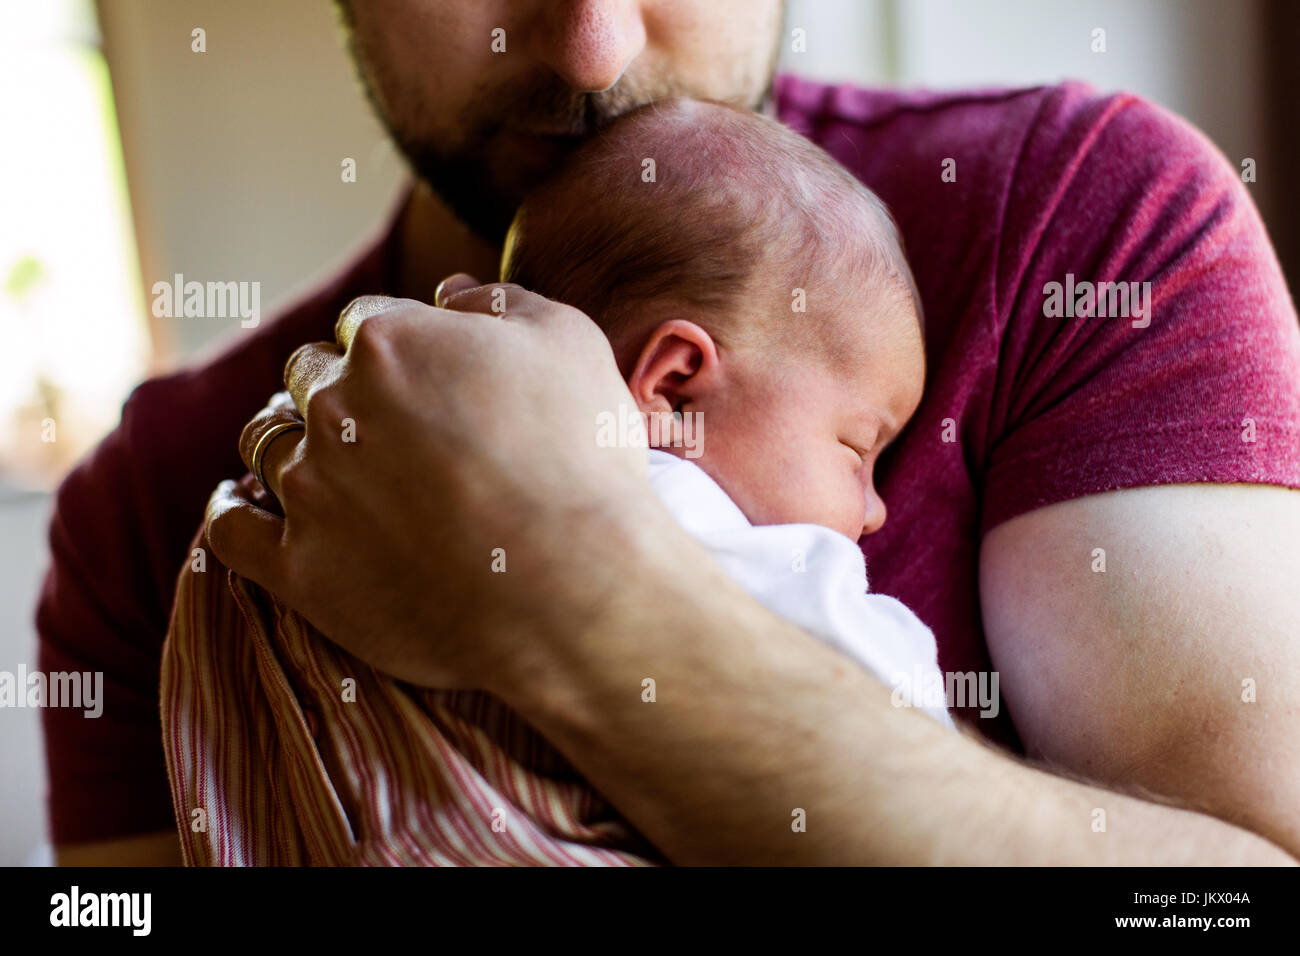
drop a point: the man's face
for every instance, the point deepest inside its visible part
(486, 97)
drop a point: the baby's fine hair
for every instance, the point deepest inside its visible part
(710, 208)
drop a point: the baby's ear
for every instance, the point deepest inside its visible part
(677, 364)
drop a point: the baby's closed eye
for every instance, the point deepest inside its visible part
(863, 455)
(863, 446)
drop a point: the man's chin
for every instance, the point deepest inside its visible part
(484, 193)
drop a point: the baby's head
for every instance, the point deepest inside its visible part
(747, 282)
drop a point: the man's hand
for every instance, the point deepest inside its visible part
(429, 503)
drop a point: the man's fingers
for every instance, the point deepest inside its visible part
(281, 400)
(244, 537)
(497, 298)
(267, 441)
(452, 285)
(312, 365)
(279, 409)
(279, 447)
(356, 312)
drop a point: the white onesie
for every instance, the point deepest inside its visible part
(812, 576)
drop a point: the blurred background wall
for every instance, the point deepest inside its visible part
(230, 160)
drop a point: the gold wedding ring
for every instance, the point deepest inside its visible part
(263, 443)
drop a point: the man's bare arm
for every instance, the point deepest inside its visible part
(754, 721)
(1177, 669)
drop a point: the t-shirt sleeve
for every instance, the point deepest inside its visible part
(100, 611)
(1197, 378)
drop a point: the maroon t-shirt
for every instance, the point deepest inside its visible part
(998, 194)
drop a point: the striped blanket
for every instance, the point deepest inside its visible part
(282, 749)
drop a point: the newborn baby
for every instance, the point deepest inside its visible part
(759, 304)
(764, 316)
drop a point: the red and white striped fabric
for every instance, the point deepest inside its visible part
(274, 759)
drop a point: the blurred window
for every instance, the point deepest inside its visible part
(73, 333)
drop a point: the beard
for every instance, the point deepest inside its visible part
(484, 177)
(496, 156)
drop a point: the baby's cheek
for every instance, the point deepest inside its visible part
(828, 496)
(855, 513)
(759, 483)
(843, 502)
(785, 491)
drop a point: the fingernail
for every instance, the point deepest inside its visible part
(458, 282)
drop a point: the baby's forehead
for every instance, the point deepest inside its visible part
(843, 327)
(837, 283)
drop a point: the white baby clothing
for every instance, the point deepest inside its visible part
(812, 576)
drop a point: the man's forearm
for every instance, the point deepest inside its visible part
(755, 725)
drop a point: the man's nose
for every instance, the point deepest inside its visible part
(589, 43)
(874, 519)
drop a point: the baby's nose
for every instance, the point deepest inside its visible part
(874, 519)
